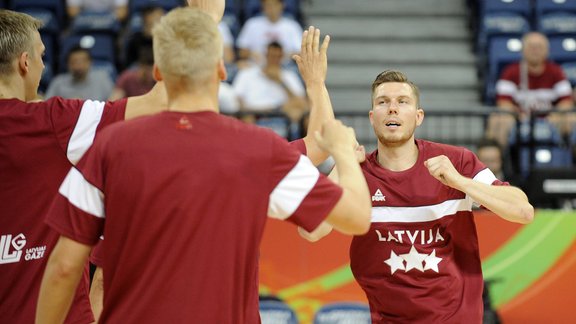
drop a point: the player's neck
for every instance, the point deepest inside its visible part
(398, 157)
(12, 89)
(193, 102)
(185, 97)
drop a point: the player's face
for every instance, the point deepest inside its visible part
(395, 115)
(36, 67)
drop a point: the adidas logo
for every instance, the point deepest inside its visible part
(378, 196)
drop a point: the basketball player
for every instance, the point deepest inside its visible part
(196, 184)
(419, 262)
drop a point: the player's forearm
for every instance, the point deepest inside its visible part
(355, 207)
(320, 112)
(508, 202)
(56, 292)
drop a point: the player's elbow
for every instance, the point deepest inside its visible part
(63, 270)
(526, 214)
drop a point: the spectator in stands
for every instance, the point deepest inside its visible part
(81, 82)
(227, 42)
(534, 84)
(138, 80)
(150, 16)
(493, 156)
(271, 88)
(117, 7)
(260, 31)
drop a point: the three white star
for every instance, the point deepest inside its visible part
(414, 260)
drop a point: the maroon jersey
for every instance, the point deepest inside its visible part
(543, 91)
(38, 142)
(419, 262)
(182, 199)
(96, 256)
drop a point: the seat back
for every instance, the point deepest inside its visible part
(557, 24)
(137, 5)
(563, 49)
(94, 23)
(501, 52)
(542, 7)
(276, 312)
(101, 47)
(507, 24)
(343, 313)
(55, 6)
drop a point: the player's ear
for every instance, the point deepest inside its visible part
(156, 73)
(23, 66)
(222, 74)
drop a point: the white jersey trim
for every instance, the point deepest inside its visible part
(420, 213)
(82, 194)
(291, 191)
(431, 212)
(85, 129)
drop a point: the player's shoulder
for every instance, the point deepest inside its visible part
(434, 148)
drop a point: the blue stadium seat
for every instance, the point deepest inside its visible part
(343, 312)
(522, 7)
(233, 8)
(95, 22)
(105, 66)
(549, 150)
(562, 49)
(557, 24)
(544, 157)
(47, 17)
(3, 4)
(102, 47)
(280, 125)
(501, 52)
(542, 7)
(138, 5)
(544, 133)
(276, 312)
(570, 71)
(56, 6)
(253, 8)
(494, 24)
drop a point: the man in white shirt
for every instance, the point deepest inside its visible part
(260, 31)
(271, 88)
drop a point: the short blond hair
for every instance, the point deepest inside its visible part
(395, 76)
(187, 44)
(16, 37)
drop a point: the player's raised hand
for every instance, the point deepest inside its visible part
(441, 168)
(215, 8)
(312, 61)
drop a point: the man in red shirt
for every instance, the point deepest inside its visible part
(198, 186)
(534, 84)
(419, 262)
